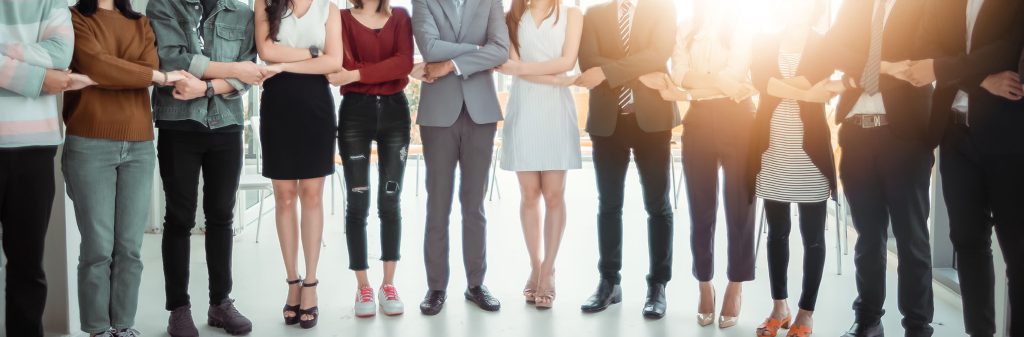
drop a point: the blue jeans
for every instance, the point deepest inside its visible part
(110, 183)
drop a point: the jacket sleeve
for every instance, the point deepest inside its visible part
(112, 72)
(428, 38)
(652, 59)
(247, 53)
(590, 44)
(988, 59)
(172, 41)
(493, 53)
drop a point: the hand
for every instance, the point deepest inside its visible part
(56, 81)
(591, 78)
(566, 81)
(419, 72)
(79, 82)
(343, 77)
(921, 73)
(248, 72)
(819, 93)
(1005, 84)
(270, 71)
(438, 69)
(511, 68)
(742, 93)
(657, 81)
(189, 88)
(175, 76)
(895, 69)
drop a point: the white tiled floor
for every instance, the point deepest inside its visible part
(260, 289)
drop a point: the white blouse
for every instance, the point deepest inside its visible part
(707, 54)
(309, 30)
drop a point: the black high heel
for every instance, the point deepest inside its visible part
(314, 311)
(293, 308)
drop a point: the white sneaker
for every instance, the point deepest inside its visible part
(390, 303)
(365, 307)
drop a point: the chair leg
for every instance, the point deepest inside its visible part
(671, 187)
(494, 173)
(259, 217)
(839, 243)
(760, 231)
(679, 183)
(418, 174)
(846, 232)
(332, 193)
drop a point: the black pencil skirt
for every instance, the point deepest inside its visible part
(298, 127)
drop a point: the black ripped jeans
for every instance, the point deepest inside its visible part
(364, 119)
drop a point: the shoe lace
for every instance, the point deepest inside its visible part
(365, 295)
(229, 308)
(129, 332)
(390, 293)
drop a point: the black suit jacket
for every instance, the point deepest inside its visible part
(908, 108)
(817, 135)
(652, 39)
(996, 124)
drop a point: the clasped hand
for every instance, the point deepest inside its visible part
(430, 72)
(920, 73)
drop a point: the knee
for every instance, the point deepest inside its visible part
(530, 196)
(285, 197)
(554, 199)
(311, 196)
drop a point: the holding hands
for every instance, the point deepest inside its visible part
(591, 78)
(58, 81)
(189, 88)
(919, 73)
(344, 77)
(430, 72)
(1005, 84)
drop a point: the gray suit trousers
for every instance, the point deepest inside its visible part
(469, 146)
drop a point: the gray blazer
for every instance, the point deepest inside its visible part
(477, 43)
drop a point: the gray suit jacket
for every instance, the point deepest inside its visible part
(477, 43)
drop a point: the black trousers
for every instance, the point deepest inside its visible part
(983, 192)
(26, 199)
(183, 155)
(717, 137)
(651, 152)
(364, 119)
(886, 180)
(812, 230)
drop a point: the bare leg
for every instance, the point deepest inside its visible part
(311, 193)
(362, 281)
(389, 272)
(529, 215)
(707, 298)
(733, 299)
(804, 318)
(553, 188)
(780, 309)
(287, 218)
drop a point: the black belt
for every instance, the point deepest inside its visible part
(869, 121)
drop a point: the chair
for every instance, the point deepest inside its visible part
(254, 181)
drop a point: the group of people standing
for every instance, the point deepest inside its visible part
(916, 74)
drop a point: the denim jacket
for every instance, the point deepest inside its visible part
(229, 37)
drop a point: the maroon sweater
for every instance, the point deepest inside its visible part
(383, 58)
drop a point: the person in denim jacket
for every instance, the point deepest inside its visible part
(201, 121)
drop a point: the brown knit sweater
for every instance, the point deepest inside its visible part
(120, 54)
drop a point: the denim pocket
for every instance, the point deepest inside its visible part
(228, 45)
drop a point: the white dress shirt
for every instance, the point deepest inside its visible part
(707, 53)
(873, 104)
(961, 101)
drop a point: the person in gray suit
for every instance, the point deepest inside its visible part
(461, 42)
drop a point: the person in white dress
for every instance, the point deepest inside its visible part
(541, 133)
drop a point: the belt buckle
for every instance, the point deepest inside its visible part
(872, 121)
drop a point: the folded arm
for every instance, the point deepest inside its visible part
(428, 38)
(396, 67)
(651, 59)
(108, 70)
(26, 62)
(493, 53)
(988, 59)
(570, 49)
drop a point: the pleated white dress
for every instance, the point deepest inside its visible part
(541, 132)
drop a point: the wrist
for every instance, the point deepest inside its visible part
(356, 75)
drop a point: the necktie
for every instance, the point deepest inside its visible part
(869, 80)
(458, 8)
(625, 28)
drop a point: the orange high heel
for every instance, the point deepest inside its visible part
(799, 331)
(771, 326)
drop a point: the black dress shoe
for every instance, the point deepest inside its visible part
(654, 307)
(859, 330)
(606, 294)
(483, 298)
(433, 302)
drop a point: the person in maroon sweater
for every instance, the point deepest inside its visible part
(378, 58)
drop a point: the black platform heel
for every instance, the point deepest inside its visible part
(293, 308)
(313, 312)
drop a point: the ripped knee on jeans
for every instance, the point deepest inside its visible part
(360, 189)
(391, 187)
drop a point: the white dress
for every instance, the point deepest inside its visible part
(541, 132)
(787, 173)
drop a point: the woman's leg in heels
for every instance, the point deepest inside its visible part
(311, 193)
(812, 229)
(553, 189)
(287, 218)
(529, 216)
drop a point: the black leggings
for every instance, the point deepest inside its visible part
(812, 229)
(365, 119)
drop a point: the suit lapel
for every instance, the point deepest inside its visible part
(468, 12)
(449, 11)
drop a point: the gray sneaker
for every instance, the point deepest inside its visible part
(129, 332)
(108, 333)
(226, 316)
(180, 324)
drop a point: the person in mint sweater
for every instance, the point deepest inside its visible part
(35, 49)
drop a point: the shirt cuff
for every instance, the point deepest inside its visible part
(197, 67)
(456, 66)
(240, 88)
